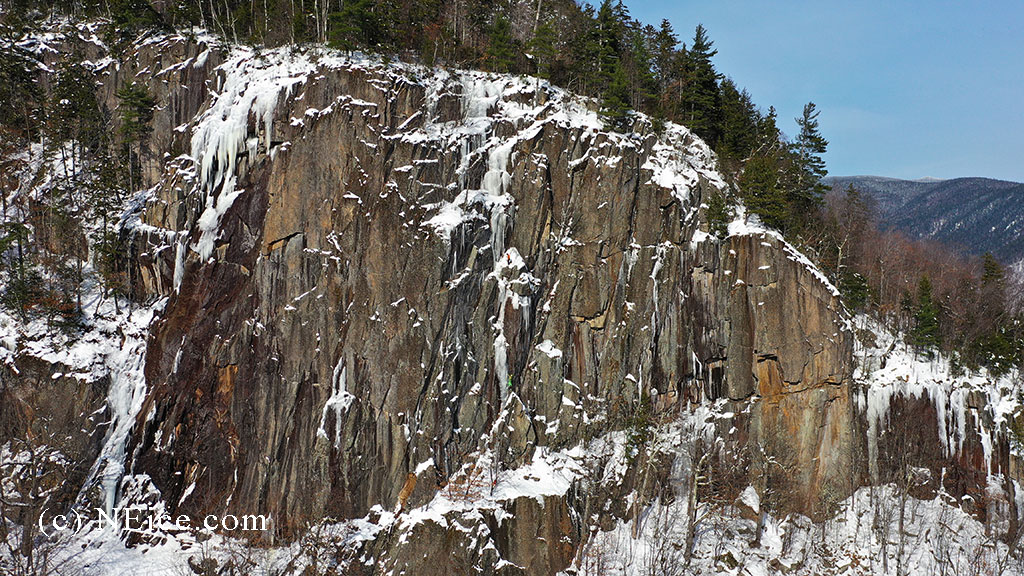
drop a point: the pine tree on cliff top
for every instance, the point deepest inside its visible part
(810, 168)
(701, 102)
(542, 49)
(615, 100)
(760, 182)
(739, 123)
(665, 56)
(609, 40)
(500, 51)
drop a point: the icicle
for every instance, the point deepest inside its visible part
(179, 262)
(125, 397)
(501, 358)
(250, 88)
(338, 403)
(659, 255)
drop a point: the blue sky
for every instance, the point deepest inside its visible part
(906, 89)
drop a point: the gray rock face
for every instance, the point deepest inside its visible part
(344, 330)
(57, 416)
(378, 266)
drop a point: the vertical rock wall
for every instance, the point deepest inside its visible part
(408, 255)
(375, 271)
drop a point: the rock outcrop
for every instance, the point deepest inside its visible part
(370, 264)
(384, 292)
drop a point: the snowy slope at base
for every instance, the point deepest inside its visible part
(735, 538)
(864, 538)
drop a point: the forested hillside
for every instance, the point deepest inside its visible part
(933, 259)
(970, 215)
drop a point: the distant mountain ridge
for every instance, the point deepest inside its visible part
(976, 215)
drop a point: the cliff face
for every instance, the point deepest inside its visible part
(380, 286)
(371, 263)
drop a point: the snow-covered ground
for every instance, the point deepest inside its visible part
(864, 538)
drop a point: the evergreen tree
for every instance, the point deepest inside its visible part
(542, 48)
(925, 333)
(665, 56)
(719, 215)
(19, 90)
(854, 289)
(615, 105)
(129, 17)
(500, 50)
(995, 348)
(137, 107)
(356, 25)
(810, 144)
(105, 197)
(22, 291)
(700, 101)
(760, 186)
(992, 303)
(739, 123)
(806, 189)
(586, 50)
(609, 37)
(637, 64)
(992, 271)
(73, 115)
(769, 138)
(136, 113)
(760, 181)
(615, 96)
(998, 351)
